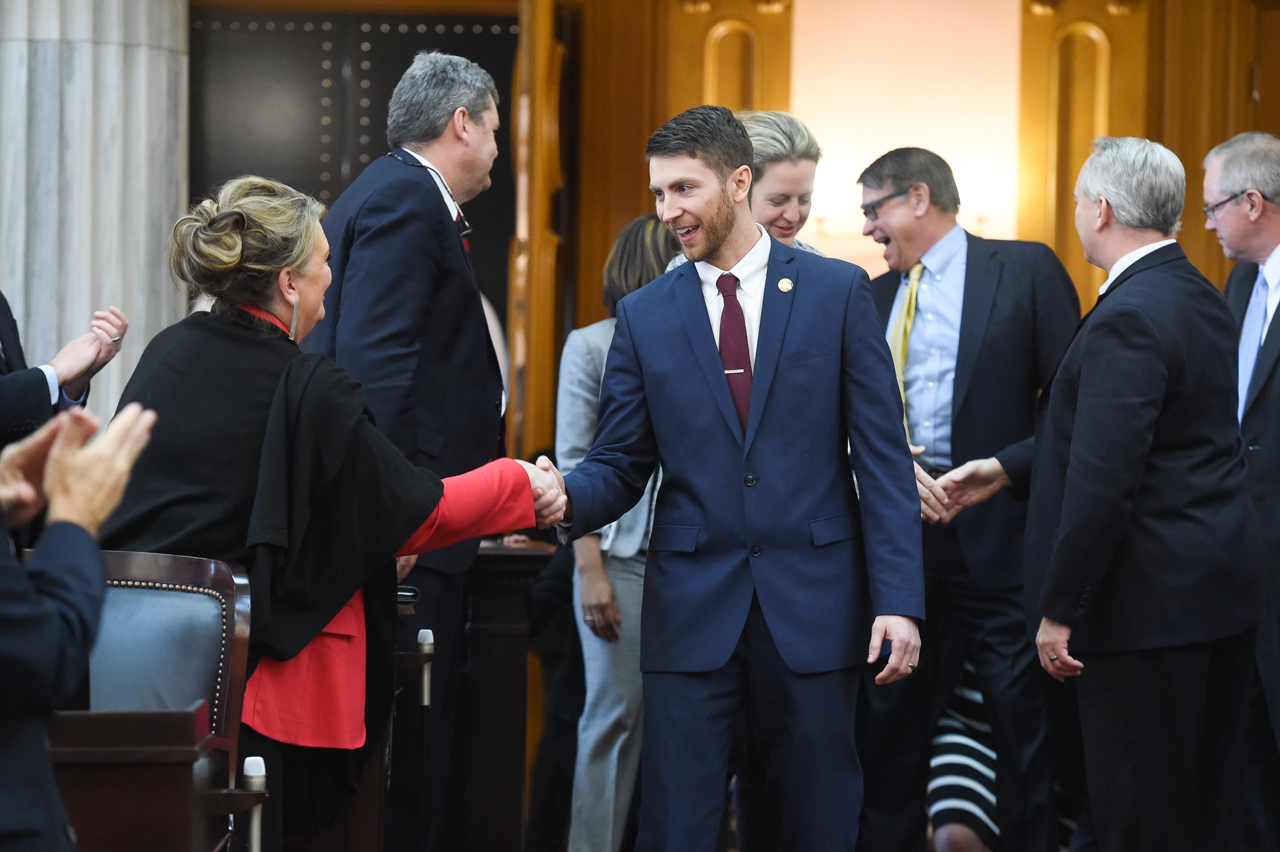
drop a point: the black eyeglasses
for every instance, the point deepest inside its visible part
(1211, 212)
(464, 227)
(872, 208)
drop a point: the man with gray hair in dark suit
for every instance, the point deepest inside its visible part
(1143, 549)
(405, 318)
(1241, 188)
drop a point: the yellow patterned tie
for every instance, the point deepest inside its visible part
(901, 333)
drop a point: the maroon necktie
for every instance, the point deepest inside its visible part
(734, 353)
(463, 230)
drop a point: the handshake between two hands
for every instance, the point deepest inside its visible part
(943, 498)
(550, 502)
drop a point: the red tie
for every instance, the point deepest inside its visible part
(734, 353)
(461, 223)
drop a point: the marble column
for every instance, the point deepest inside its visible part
(93, 170)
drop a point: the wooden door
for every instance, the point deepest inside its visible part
(1084, 75)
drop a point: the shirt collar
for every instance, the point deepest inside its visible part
(750, 271)
(440, 181)
(1271, 269)
(944, 251)
(1129, 260)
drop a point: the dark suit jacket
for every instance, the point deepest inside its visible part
(1261, 432)
(403, 316)
(1140, 532)
(1019, 310)
(772, 512)
(24, 391)
(48, 620)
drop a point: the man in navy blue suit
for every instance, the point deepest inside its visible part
(31, 395)
(49, 608)
(405, 318)
(760, 376)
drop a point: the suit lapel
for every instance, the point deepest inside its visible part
(884, 290)
(775, 311)
(1244, 275)
(981, 278)
(692, 308)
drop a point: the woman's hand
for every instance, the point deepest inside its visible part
(599, 603)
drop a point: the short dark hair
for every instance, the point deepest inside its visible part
(640, 254)
(903, 167)
(709, 133)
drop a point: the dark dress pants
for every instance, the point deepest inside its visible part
(801, 723)
(1261, 780)
(422, 740)
(987, 627)
(1163, 739)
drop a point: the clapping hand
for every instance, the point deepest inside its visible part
(82, 358)
(22, 472)
(84, 480)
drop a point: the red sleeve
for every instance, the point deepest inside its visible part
(491, 499)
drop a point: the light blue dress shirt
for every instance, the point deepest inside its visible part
(930, 372)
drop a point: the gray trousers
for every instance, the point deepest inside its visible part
(609, 730)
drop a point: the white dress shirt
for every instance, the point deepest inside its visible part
(1129, 260)
(1271, 272)
(440, 182)
(751, 272)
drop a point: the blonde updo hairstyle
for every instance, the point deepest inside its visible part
(232, 246)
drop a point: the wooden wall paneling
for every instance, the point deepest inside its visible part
(1080, 111)
(619, 90)
(731, 65)
(642, 62)
(736, 53)
(1084, 75)
(531, 319)
(1189, 105)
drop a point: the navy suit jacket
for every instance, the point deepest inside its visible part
(1017, 317)
(48, 620)
(403, 316)
(1260, 430)
(1141, 533)
(773, 512)
(24, 391)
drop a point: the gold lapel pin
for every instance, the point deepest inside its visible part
(785, 285)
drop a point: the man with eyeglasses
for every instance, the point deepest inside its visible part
(1242, 176)
(976, 327)
(404, 316)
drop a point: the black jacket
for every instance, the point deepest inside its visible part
(1140, 531)
(404, 317)
(1016, 320)
(1260, 430)
(24, 391)
(267, 457)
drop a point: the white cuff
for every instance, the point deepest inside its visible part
(51, 376)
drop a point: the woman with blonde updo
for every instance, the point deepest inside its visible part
(266, 456)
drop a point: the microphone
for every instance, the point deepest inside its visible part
(255, 779)
(426, 645)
